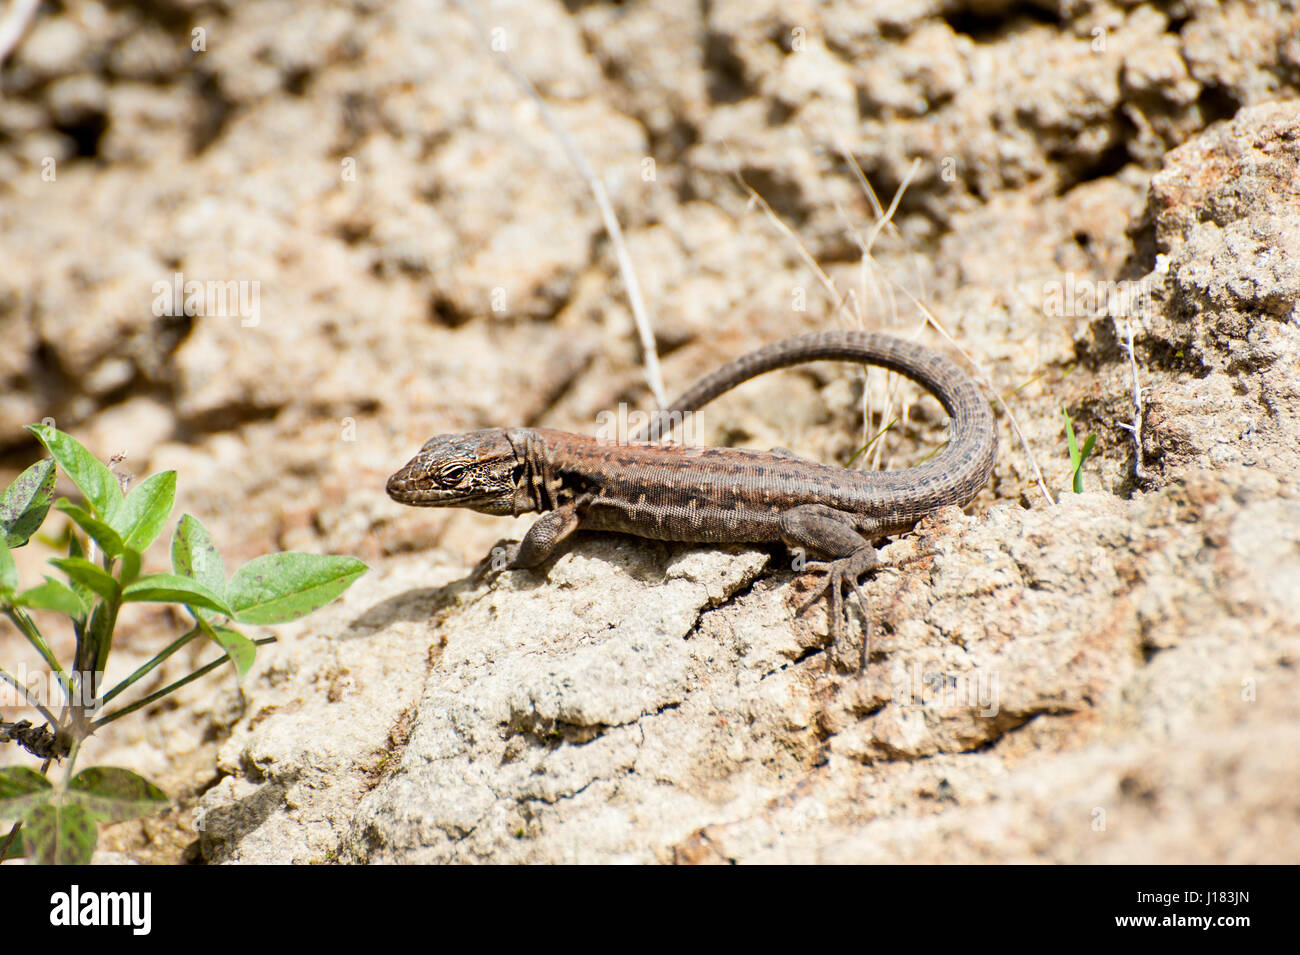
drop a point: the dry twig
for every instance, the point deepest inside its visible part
(649, 353)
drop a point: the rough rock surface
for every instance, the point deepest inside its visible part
(1109, 678)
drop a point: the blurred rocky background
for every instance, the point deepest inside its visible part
(401, 248)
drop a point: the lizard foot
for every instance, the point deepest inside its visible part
(842, 572)
(502, 558)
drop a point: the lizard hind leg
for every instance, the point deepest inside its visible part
(839, 536)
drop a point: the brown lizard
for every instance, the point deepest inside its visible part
(715, 495)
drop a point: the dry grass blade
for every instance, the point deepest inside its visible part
(833, 294)
(983, 378)
(649, 353)
(1134, 428)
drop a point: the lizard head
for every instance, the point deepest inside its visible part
(478, 470)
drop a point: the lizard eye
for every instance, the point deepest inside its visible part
(452, 475)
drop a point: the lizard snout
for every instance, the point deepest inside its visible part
(398, 486)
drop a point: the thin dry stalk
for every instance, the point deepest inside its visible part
(649, 353)
(983, 378)
(1135, 427)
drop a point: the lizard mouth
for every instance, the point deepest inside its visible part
(404, 488)
(413, 488)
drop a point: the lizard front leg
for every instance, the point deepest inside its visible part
(843, 537)
(548, 533)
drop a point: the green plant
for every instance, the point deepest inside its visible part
(1077, 456)
(872, 440)
(58, 818)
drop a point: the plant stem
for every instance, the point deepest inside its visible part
(31, 701)
(148, 667)
(28, 627)
(9, 840)
(72, 761)
(874, 438)
(941, 446)
(98, 639)
(207, 668)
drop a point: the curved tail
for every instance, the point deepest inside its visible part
(956, 473)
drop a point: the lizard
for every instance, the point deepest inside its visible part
(718, 495)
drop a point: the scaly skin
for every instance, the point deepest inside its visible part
(715, 495)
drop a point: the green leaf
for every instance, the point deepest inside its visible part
(75, 550)
(194, 554)
(101, 532)
(241, 650)
(110, 794)
(91, 576)
(1077, 456)
(22, 790)
(54, 595)
(129, 569)
(98, 641)
(60, 834)
(145, 510)
(1083, 456)
(84, 593)
(16, 849)
(173, 588)
(277, 588)
(1070, 440)
(90, 475)
(8, 571)
(26, 502)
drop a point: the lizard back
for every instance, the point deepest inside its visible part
(728, 494)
